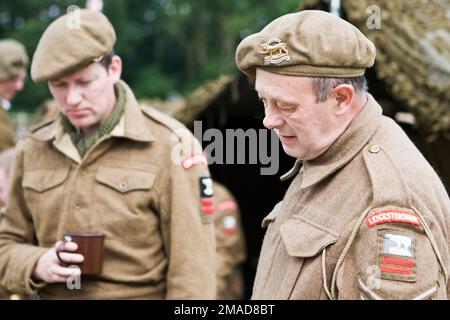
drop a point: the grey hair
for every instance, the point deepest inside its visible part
(323, 86)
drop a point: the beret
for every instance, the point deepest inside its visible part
(309, 43)
(13, 58)
(72, 42)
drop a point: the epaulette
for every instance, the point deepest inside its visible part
(388, 184)
(169, 122)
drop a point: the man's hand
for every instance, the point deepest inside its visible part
(50, 270)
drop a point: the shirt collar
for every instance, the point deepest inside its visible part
(132, 124)
(346, 147)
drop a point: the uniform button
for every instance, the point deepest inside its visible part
(83, 171)
(77, 205)
(373, 148)
(123, 186)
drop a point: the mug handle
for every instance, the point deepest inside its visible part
(59, 248)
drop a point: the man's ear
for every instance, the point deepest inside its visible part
(115, 68)
(344, 94)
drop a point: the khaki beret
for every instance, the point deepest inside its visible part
(309, 43)
(13, 59)
(72, 42)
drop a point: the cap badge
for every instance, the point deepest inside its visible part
(275, 51)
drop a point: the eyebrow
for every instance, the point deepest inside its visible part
(56, 82)
(280, 98)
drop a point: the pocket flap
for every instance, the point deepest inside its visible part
(305, 239)
(272, 215)
(43, 179)
(125, 179)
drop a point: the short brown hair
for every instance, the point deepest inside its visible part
(107, 59)
(323, 86)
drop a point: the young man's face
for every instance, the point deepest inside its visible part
(9, 88)
(305, 128)
(87, 97)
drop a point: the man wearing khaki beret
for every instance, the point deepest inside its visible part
(365, 216)
(107, 165)
(13, 64)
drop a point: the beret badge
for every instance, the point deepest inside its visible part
(275, 51)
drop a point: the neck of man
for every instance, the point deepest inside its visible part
(90, 130)
(357, 106)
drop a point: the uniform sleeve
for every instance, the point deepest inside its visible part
(187, 226)
(7, 139)
(230, 246)
(18, 250)
(393, 258)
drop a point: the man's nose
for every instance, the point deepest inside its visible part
(272, 118)
(73, 97)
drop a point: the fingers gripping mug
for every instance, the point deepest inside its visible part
(90, 246)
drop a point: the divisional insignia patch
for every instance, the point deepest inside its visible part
(229, 224)
(396, 257)
(207, 203)
(206, 187)
(398, 245)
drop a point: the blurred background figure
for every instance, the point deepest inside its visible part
(230, 242)
(6, 162)
(13, 64)
(230, 237)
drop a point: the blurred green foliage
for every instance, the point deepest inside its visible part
(167, 46)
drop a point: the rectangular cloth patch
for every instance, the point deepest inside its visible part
(206, 201)
(396, 258)
(392, 216)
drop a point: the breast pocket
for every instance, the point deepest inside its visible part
(44, 197)
(304, 242)
(41, 180)
(123, 200)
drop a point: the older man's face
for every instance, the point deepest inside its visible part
(9, 88)
(305, 128)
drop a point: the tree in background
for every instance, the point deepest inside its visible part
(168, 46)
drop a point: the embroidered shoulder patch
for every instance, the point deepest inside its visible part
(191, 161)
(207, 203)
(396, 257)
(229, 225)
(385, 216)
(227, 205)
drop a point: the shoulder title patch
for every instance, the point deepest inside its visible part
(385, 216)
(191, 161)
